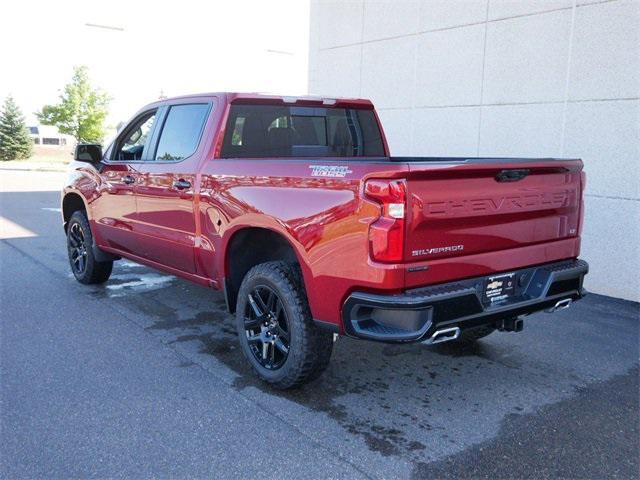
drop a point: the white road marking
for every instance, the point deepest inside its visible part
(9, 229)
(51, 209)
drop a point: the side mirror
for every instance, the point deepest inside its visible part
(88, 152)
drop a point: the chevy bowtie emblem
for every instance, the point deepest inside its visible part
(495, 284)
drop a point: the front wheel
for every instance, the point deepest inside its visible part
(83, 263)
(276, 332)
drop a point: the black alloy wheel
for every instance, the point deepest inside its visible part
(275, 328)
(267, 328)
(82, 258)
(77, 249)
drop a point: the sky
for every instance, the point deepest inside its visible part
(174, 47)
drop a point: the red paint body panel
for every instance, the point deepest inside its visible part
(501, 226)
(165, 214)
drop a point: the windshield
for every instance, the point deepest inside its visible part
(289, 131)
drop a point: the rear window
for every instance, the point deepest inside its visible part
(181, 131)
(257, 131)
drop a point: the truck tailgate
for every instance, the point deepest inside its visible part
(465, 207)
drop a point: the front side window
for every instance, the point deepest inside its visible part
(181, 131)
(131, 145)
(257, 131)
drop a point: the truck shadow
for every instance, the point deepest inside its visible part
(396, 398)
(390, 396)
(413, 402)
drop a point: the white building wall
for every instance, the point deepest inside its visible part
(540, 78)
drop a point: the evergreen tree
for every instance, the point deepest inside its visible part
(81, 111)
(15, 142)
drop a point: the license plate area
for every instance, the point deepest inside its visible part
(499, 288)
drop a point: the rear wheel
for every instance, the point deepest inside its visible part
(83, 264)
(275, 328)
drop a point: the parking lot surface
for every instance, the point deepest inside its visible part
(142, 377)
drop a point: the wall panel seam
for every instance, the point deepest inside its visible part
(515, 104)
(421, 32)
(484, 61)
(611, 197)
(567, 78)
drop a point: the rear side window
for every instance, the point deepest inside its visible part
(181, 131)
(262, 131)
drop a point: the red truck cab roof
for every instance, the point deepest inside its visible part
(262, 98)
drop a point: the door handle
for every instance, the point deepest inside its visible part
(182, 184)
(128, 179)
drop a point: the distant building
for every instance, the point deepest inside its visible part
(49, 135)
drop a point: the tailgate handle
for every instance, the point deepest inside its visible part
(512, 175)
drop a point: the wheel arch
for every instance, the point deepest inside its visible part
(251, 246)
(72, 202)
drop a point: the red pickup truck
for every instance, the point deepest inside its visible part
(294, 208)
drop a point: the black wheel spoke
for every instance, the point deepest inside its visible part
(271, 302)
(255, 307)
(261, 305)
(280, 345)
(282, 332)
(278, 310)
(251, 323)
(254, 338)
(74, 237)
(73, 240)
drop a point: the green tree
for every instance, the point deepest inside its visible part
(15, 141)
(81, 110)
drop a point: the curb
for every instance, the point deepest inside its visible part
(31, 169)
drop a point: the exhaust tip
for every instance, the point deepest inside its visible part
(444, 335)
(560, 305)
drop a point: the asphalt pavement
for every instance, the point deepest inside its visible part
(142, 377)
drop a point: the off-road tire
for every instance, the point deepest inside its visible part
(93, 271)
(309, 348)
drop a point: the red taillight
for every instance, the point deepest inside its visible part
(386, 235)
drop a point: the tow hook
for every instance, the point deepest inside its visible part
(513, 324)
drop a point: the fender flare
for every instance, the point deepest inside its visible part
(257, 221)
(99, 255)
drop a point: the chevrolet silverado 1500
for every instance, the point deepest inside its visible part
(296, 210)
